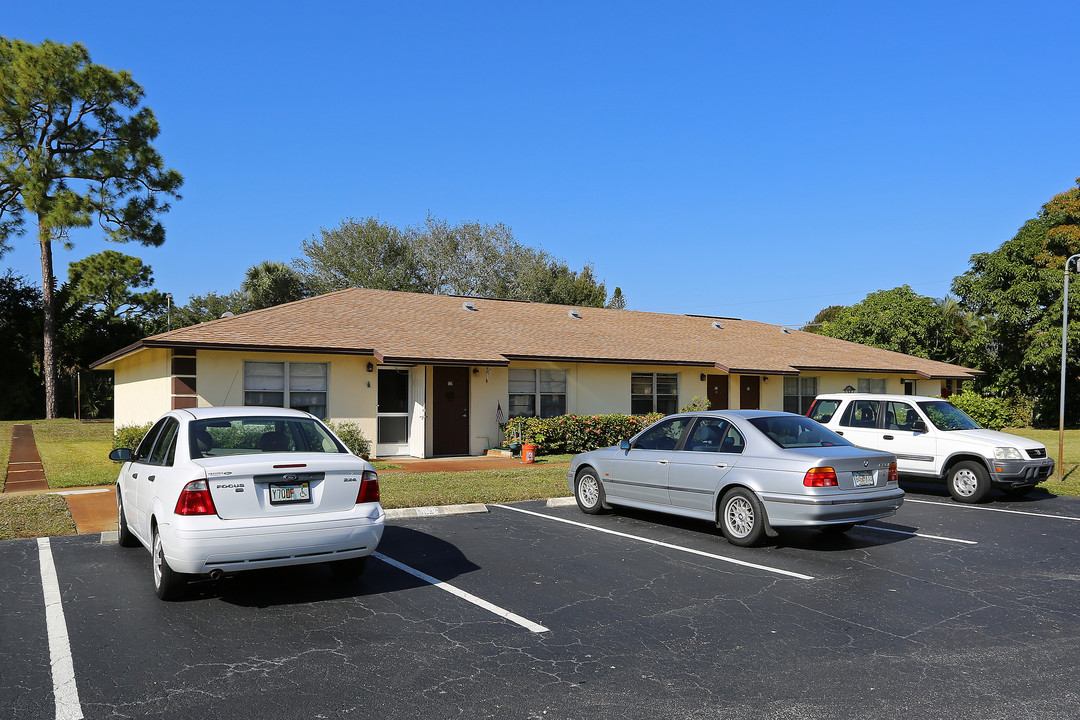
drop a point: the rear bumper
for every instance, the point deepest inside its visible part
(803, 510)
(200, 545)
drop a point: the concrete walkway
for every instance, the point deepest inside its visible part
(24, 470)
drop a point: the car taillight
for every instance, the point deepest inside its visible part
(820, 477)
(893, 476)
(369, 488)
(195, 500)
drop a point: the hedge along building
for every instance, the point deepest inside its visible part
(427, 375)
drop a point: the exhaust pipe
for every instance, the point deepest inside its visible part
(216, 574)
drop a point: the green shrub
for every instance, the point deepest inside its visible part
(575, 433)
(993, 412)
(349, 433)
(129, 436)
(696, 404)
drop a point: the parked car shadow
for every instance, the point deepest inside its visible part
(302, 584)
(800, 538)
(938, 489)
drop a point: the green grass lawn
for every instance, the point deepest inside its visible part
(74, 453)
(32, 516)
(402, 489)
(5, 450)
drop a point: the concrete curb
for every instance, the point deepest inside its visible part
(561, 501)
(435, 511)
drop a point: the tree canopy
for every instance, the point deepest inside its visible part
(1020, 286)
(471, 258)
(75, 149)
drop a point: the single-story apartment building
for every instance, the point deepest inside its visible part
(430, 375)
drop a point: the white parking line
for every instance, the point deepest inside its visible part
(919, 534)
(659, 543)
(65, 691)
(479, 602)
(962, 506)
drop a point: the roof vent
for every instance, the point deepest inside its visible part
(718, 325)
(786, 331)
(575, 314)
(468, 306)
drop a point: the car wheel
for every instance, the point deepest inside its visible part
(969, 482)
(168, 585)
(588, 491)
(837, 529)
(124, 536)
(349, 570)
(742, 518)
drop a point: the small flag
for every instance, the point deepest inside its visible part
(500, 418)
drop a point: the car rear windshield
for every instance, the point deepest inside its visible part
(946, 417)
(796, 431)
(255, 435)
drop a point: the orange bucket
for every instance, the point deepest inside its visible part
(528, 453)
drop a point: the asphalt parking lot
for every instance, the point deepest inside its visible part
(543, 612)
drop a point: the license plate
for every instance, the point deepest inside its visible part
(863, 479)
(295, 493)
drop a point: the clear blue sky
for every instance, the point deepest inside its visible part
(754, 159)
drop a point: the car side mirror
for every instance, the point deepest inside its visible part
(918, 426)
(624, 444)
(121, 455)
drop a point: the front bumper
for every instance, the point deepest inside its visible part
(1017, 473)
(199, 545)
(835, 508)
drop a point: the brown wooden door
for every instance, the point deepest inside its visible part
(450, 411)
(717, 389)
(750, 392)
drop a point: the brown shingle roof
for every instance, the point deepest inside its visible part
(437, 329)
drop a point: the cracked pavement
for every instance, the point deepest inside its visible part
(889, 626)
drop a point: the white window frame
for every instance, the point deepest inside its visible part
(537, 392)
(286, 388)
(654, 382)
(806, 389)
(867, 386)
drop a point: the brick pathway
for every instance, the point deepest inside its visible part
(24, 471)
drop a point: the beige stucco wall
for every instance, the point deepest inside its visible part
(143, 387)
(352, 390)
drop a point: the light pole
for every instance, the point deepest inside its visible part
(1064, 344)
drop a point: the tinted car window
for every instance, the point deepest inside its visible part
(899, 416)
(863, 413)
(255, 435)
(946, 417)
(823, 410)
(733, 441)
(164, 447)
(663, 436)
(797, 432)
(707, 435)
(143, 451)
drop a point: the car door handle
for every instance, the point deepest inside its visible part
(886, 437)
(662, 462)
(839, 432)
(135, 475)
(151, 478)
(721, 465)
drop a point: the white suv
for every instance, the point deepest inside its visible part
(932, 438)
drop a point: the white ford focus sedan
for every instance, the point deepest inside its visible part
(214, 491)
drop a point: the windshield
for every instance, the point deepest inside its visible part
(946, 417)
(795, 431)
(256, 435)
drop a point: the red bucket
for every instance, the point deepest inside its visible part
(528, 453)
